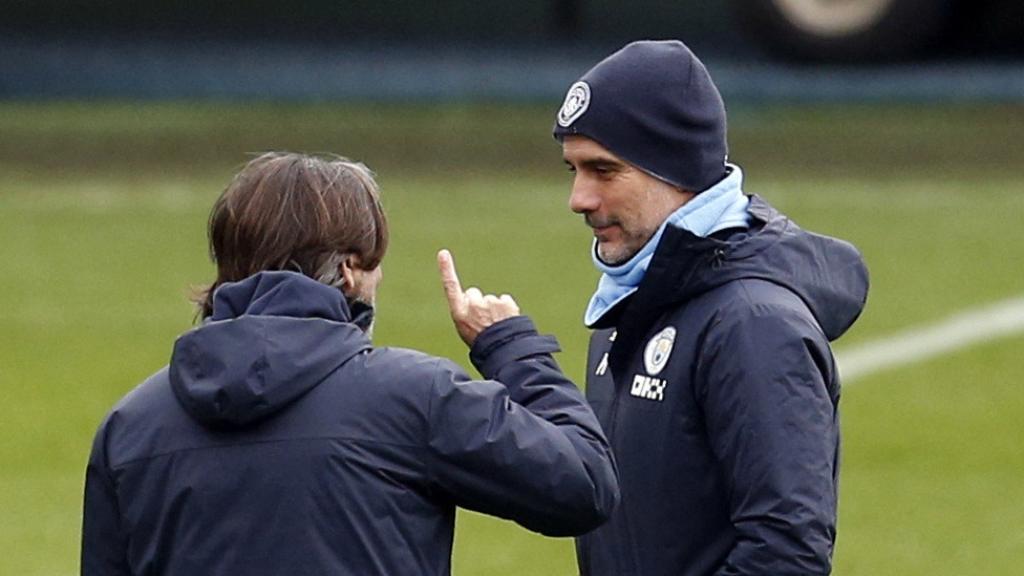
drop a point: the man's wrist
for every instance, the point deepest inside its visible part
(507, 341)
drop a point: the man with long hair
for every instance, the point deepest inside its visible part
(279, 440)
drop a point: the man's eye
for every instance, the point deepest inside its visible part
(570, 168)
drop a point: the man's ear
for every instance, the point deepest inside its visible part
(349, 275)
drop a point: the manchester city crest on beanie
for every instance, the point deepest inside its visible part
(653, 104)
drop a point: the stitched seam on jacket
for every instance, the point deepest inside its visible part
(127, 463)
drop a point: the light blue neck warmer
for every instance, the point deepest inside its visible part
(722, 206)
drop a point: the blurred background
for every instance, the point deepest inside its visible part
(895, 124)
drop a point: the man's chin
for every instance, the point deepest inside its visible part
(612, 255)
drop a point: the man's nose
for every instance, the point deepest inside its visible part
(583, 199)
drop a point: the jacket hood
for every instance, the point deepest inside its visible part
(272, 337)
(828, 274)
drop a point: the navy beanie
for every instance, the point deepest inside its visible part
(653, 104)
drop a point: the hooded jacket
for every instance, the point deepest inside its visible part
(717, 388)
(280, 441)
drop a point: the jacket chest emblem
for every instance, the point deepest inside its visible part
(658, 350)
(656, 355)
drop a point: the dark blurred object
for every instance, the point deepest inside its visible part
(858, 31)
(844, 31)
(444, 22)
(567, 15)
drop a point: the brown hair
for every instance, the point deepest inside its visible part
(286, 211)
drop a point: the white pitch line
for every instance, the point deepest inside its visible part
(991, 322)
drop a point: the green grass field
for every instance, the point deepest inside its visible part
(102, 231)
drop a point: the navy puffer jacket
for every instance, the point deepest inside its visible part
(717, 387)
(280, 441)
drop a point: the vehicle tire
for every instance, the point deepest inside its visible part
(845, 31)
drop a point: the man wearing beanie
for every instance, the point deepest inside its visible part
(709, 365)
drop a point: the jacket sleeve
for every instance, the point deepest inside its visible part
(522, 445)
(773, 426)
(104, 544)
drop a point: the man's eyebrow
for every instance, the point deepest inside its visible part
(599, 162)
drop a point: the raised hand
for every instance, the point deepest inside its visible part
(472, 311)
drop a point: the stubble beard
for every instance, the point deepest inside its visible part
(623, 250)
(605, 251)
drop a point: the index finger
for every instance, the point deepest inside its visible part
(449, 278)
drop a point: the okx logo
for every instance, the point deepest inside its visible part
(648, 387)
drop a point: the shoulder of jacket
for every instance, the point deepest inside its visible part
(408, 367)
(151, 394)
(135, 412)
(737, 304)
(763, 307)
(748, 296)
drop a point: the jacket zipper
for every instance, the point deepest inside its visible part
(631, 559)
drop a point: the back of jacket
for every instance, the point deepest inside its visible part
(279, 441)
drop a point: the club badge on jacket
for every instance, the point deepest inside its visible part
(656, 355)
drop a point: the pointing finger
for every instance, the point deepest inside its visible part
(450, 279)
